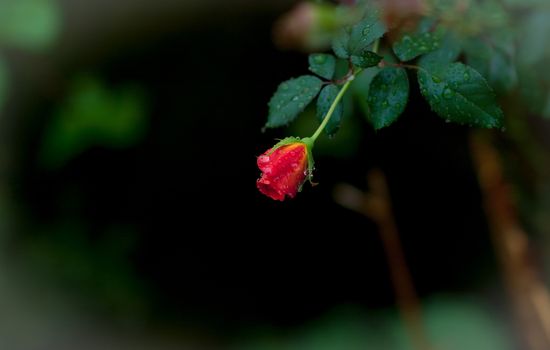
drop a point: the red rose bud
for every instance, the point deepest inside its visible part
(285, 168)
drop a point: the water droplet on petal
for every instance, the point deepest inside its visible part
(263, 159)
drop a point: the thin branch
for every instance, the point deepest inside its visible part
(377, 206)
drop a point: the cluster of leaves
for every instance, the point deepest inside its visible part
(459, 63)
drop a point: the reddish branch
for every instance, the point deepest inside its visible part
(376, 205)
(528, 294)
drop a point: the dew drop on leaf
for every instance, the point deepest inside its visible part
(319, 59)
(448, 93)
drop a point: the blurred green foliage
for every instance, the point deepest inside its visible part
(29, 24)
(533, 55)
(98, 269)
(94, 115)
(460, 323)
(3, 82)
(452, 324)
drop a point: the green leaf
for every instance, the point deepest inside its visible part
(366, 59)
(412, 46)
(325, 100)
(357, 38)
(360, 88)
(448, 52)
(291, 98)
(494, 61)
(30, 24)
(388, 95)
(460, 94)
(324, 65)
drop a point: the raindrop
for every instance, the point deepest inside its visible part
(295, 98)
(284, 86)
(436, 79)
(319, 59)
(385, 104)
(423, 48)
(466, 76)
(448, 93)
(301, 105)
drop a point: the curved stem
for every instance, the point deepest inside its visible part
(332, 108)
(311, 140)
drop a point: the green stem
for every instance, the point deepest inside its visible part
(332, 109)
(311, 140)
(375, 46)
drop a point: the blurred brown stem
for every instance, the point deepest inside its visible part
(377, 206)
(528, 294)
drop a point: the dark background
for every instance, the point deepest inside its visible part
(171, 232)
